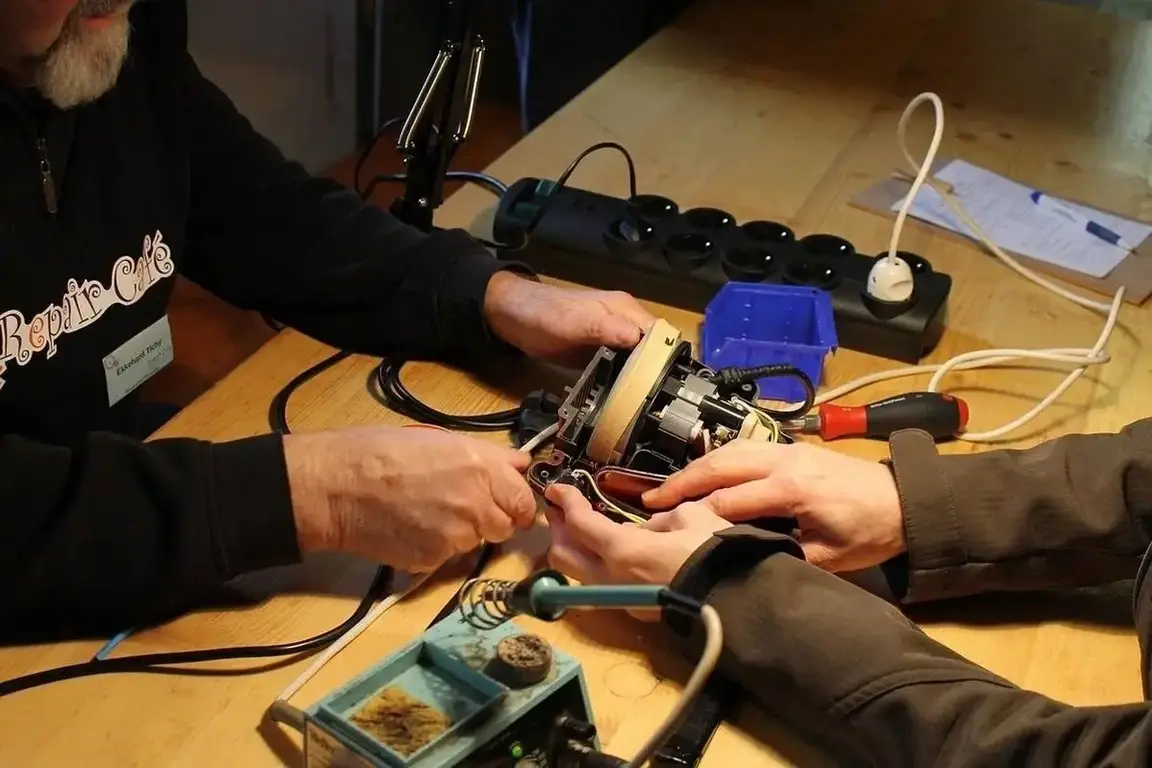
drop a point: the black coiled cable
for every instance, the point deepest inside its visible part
(399, 398)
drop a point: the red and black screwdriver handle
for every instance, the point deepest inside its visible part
(942, 416)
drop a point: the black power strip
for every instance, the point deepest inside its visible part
(650, 248)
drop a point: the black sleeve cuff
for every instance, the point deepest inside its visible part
(732, 550)
(251, 505)
(462, 294)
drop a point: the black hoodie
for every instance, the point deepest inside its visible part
(100, 207)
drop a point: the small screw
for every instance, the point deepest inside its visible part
(422, 202)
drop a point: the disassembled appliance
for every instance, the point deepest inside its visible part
(633, 418)
(476, 690)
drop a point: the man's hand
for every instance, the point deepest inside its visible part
(595, 550)
(564, 325)
(848, 509)
(409, 498)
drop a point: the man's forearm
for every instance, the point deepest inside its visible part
(113, 533)
(1071, 512)
(266, 235)
(850, 672)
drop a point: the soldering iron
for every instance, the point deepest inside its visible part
(486, 693)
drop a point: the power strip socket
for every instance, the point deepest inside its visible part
(650, 248)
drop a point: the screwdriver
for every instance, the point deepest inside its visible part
(939, 415)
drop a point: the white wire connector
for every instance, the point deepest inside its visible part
(1081, 357)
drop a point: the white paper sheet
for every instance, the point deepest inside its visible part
(1004, 210)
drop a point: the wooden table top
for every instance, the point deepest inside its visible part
(770, 110)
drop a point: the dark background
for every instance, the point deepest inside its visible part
(564, 46)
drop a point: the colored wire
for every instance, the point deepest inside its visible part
(591, 480)
(111, 645)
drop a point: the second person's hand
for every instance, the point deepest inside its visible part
(563, 325)
(595, 550)
(848, 509)
(409, 498)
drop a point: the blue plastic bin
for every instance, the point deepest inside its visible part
(748, 324)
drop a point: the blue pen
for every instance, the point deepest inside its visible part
(1094, 228)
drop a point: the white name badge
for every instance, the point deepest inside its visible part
(138, 360)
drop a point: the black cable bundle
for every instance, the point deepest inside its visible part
(164, 663)
(278, 410)
(399, 398)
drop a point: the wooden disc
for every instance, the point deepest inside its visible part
(640, 376)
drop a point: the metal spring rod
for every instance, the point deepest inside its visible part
(486, 603)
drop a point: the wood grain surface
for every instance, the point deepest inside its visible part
(768, 109)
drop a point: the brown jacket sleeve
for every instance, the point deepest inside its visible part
(850, 672)
(1073, 511)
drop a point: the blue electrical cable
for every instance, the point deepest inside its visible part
(110, 646)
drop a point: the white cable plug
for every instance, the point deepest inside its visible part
(890, 280)
(1081, 357)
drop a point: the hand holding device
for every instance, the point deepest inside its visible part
(562, 324)
(847, 509)
(409, 498)
(594, 549)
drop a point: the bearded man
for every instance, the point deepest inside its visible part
(122, 166)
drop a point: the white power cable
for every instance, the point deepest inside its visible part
(544, 436)
(346, 639)
(709, 658)
(380, 608)
(1081, 357)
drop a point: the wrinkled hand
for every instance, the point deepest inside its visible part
(564, 325)
(593, 549)
(409, 498)
(847, 509)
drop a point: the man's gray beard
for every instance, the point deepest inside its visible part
(83, 65)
